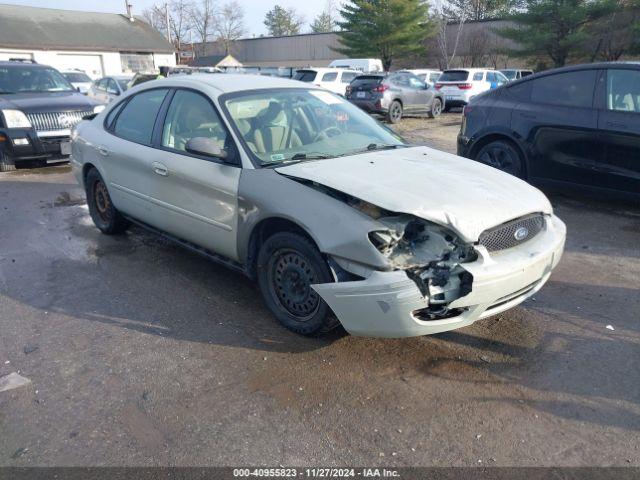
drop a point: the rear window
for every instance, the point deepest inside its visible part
(77, 77)
(366, 80)
(305, 75)
(454, 76)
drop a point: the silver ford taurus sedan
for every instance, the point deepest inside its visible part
(338, 219)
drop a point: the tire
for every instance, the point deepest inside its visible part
(288, 264)
(436, 108)
(6, 164)
(502, 155)
(103, 213)
(394, 114)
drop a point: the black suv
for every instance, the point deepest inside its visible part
(38, 108)
(578, 125)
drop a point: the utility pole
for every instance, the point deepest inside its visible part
(166, 13)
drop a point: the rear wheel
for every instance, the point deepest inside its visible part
(436, 108)
(6, 164)
(394, 115)
(104, 214)
(502, 155)
(288, 264)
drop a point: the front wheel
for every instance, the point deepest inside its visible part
(394, 115)
(288, 264)
(436, 108)
(103, 213)
(502, 155)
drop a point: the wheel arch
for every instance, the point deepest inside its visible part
(500, 136)
(266, 228)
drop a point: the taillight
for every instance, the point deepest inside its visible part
(438, 86)
(465, 86)
(380, 88)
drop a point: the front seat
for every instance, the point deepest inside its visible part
(273, 131)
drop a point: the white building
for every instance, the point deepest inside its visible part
(98, 43)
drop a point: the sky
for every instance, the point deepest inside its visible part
(254, 10)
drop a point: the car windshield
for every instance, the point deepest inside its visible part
(283, 126)
(22, 79)
(77, 77)
(454, 76)
(510, 74)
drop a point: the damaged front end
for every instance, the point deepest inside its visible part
(431, 256)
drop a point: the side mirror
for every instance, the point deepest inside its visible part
(205, 146)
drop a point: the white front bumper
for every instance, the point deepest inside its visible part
(383, 304)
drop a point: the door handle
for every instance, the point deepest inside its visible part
(621, 126)
(160, 169)
(102, 151)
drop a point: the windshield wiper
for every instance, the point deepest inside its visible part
(310, 156)
(381, 146)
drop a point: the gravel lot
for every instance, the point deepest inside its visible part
(142, 353)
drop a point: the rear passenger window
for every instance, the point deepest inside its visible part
(136, 121)
(113, 114)
(571, 89)
(478, 76)
(330, 77)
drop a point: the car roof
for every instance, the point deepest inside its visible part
(9, 63)
(469, 70)
(326, 69)
(420, 70)
(229, 82)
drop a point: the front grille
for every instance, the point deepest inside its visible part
(47, 121)
(505, 236)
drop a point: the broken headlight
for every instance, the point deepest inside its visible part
(430, 254)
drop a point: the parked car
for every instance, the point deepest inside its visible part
(461, 85)
(365, 65)
(515, 73)
(38, 106)
(78, 79)
(428, 76)
(333, 79)
(330, 211)
(107, 89)
(578, 125)
(395, 95)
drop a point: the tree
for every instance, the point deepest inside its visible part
(202, 16)
(283, 21)
(229, 24)
(325, 22)
(179, 20)
(556, 29)
(385, 29)
(615, 34)
(441, 18)
(479, 9)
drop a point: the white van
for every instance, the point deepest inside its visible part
(367, 65)
(333, 79)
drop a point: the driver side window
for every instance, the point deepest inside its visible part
(191, 115)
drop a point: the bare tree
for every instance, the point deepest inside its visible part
(229, 25)
(180, 20)
(155, 17)
(203, 17)
(448, 50)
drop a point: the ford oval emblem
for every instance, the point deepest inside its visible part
(521, 233)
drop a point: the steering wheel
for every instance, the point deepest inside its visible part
(328, 132)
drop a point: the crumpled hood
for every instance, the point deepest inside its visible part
(455, 192)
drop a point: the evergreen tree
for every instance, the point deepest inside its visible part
(283, 21)
(384, 29)
(323, 23)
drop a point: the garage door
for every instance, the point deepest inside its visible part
(6, 55)
(90, 64)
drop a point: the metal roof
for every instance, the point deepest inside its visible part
(53, 29)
